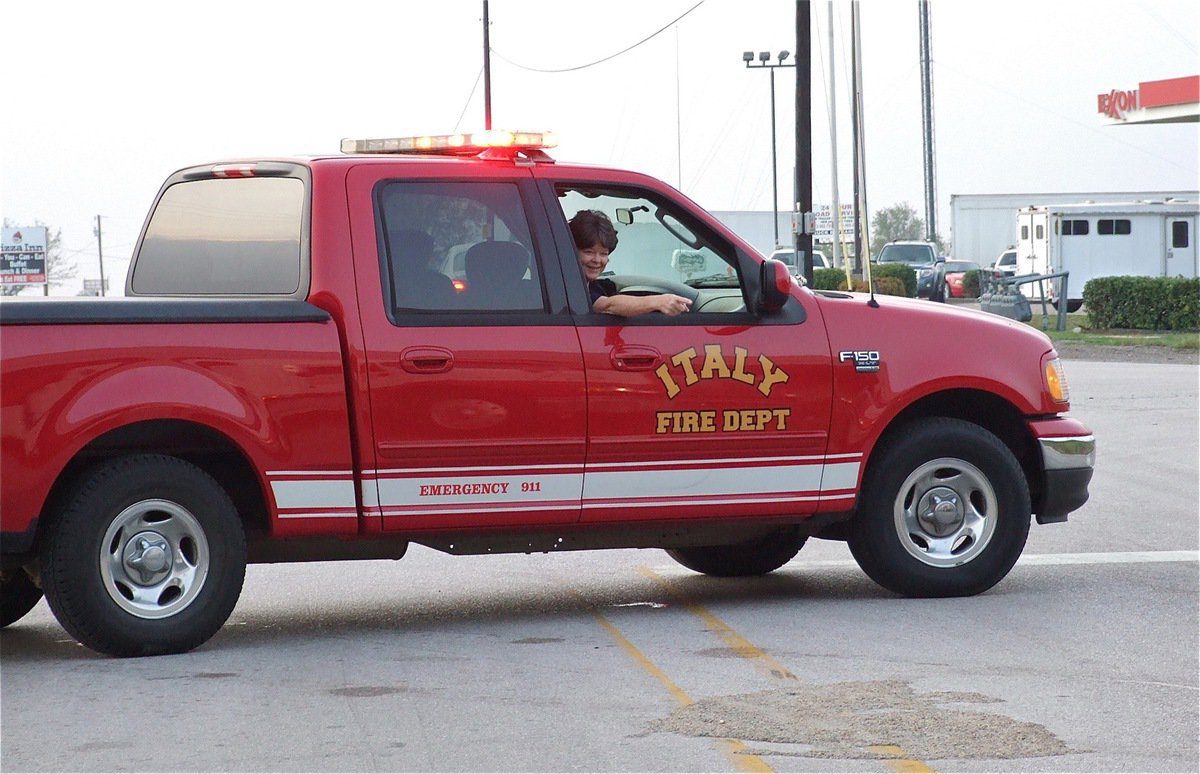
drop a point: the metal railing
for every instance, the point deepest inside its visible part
(1003, 286)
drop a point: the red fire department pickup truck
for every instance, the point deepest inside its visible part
(332, 357)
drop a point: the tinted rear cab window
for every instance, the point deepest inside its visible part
(224, 236)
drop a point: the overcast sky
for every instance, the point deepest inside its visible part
(104, 100)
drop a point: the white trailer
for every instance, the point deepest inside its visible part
(1089, 240)
(984, 225)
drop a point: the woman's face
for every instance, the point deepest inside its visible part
(593, 260)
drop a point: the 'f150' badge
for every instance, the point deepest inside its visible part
(865, 361)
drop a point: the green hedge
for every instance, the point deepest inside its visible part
(884, 286)
(885, 283)
(902, 272)
(829, 279)
(971, 284)
(1146, 303)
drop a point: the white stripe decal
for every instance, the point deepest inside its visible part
(480, 489)
(840, 475)
(311, 473)
(314, 494)
(370, 494)
(506, 492)
(699, 482)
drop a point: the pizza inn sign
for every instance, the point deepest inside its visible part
(23, 256)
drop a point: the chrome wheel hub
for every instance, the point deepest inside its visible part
(154, 559)
(945, 513)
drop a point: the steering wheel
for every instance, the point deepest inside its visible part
(631, 285)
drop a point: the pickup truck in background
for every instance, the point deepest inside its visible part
(332, 357)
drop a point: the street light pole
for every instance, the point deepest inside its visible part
(487, 69)
(100, 251)
(764, 60)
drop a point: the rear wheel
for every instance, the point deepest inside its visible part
(147, 558)
(758, 557)
(945, 511)
(18, 595)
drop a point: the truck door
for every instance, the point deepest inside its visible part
(712, 413)
(477, 404)
(1181, 247)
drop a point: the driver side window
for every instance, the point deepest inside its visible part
(658, 250)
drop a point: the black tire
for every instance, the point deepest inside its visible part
(944, 511)
(18, 595)
(146, 558)
(758, 557)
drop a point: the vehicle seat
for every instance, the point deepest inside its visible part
(496, 277)
(417, 286)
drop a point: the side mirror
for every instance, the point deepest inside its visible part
(774, 286)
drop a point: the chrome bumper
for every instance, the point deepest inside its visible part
(1068, 464)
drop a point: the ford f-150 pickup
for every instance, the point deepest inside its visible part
(332, 357)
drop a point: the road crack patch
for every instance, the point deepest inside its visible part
(854, 720)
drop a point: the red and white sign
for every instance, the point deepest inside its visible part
(1171, 100)
(23, 256)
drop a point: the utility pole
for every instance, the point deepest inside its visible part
(804, 203)
(861, 213)
(836, 223)
(927, 125)
(487, 70)
(100, 250)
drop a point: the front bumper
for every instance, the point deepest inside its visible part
(1068, 462)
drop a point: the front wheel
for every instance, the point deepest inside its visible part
(758, 557)
(18, 595)
(147, 557)
(945, 511)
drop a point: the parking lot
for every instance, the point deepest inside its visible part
(1084, 659)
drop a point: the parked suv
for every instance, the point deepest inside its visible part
(923, 257)
(1006, 263)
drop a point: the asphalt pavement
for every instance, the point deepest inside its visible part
(1084, 659)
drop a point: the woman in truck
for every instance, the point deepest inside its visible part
(595, 239)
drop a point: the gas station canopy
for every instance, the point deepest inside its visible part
(1173, 101)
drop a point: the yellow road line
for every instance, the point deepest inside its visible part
(736, 642)
(733, 749)
(897, 760)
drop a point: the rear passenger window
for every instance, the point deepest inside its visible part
(234, 236)
(457, 247)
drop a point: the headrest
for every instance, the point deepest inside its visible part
(411, 246)
(496, 262)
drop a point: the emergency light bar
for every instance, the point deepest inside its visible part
(466, 144)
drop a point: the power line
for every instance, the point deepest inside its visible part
(469, 98)
(605, 59)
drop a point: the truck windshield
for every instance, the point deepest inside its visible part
(906, 254)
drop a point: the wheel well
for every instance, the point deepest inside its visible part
(202, 446)
(990, 412)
